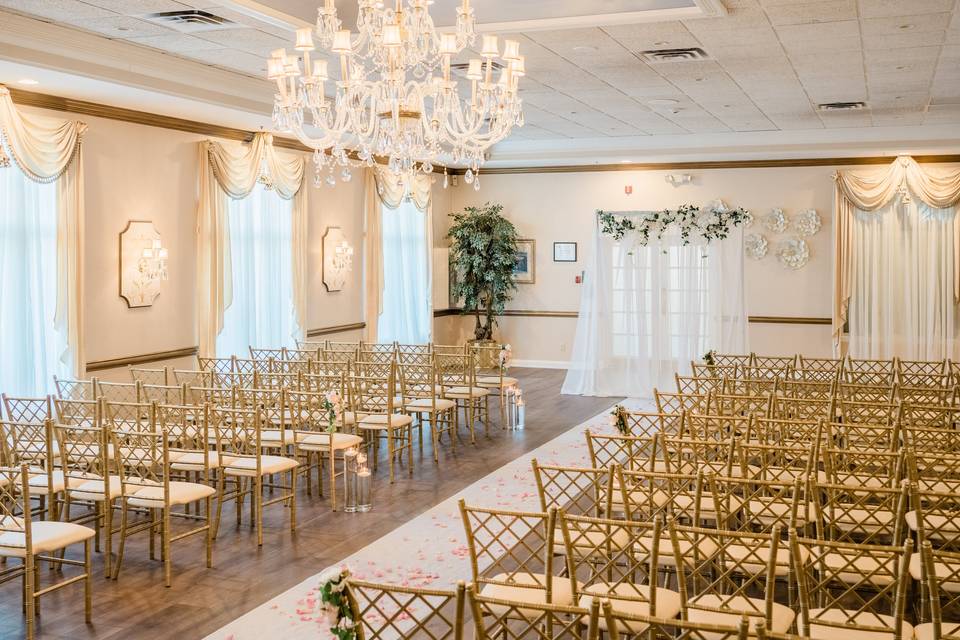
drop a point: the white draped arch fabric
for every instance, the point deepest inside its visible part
(232, 172)
(871, 191)
(50, 150)
(383, 188)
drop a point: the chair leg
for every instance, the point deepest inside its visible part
(257, 506)
(29, 601)
(165, 535)
(410, 448)
(216, 522)
(208, 510)
(333, 476)
(87, 583)
(293, 500)
(123, 539)
(390, 451)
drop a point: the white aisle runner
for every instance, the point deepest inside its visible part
(428, 551)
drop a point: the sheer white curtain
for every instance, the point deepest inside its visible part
(262, 312)
(32, 347)
(647, 311)
(901, 301)
(406, 315)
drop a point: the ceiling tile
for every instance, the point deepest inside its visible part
(887, 8)
(123, 27)
(890, 26)
(176, 42)
(66, 11)
(812, 12)
(139, 7)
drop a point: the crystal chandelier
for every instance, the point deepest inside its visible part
(396, 96)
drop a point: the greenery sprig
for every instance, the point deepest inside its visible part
(618, 418)
(712, 222)
(337, 605)
(709, 358)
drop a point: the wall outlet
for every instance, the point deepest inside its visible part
(563, 347)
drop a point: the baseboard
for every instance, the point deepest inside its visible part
(541, 364)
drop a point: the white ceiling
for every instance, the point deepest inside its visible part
(770, 63)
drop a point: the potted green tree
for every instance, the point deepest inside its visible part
(483, 251)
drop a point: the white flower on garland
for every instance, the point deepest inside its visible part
(711, 222)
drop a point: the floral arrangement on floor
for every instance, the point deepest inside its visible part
(505, 357)
(618, 419)
(336, 605)
(332, 404)
(711, 222)
(710, 357)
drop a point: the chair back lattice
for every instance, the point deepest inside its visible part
(384, 612)
(28, 409)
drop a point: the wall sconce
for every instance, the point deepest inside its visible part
(337, 259)
(143, 263)
(677, 179)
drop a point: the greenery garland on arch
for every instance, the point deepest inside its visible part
(711, 222)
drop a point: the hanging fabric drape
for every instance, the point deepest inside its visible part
(871, 191)
(647, 311)
(50, 150)
(232, 173)
(383, 188)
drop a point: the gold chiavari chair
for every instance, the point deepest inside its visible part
(193, 378)
(785, 431)
(517, 550)
(577, 490)
(766, 373)
(160, 377)
(677, 403)
(939, 576)
(32, 542)
(852, 412)
(863, 435)
(143, 463)
(311, 345)
(816, 375)
(242, 462)
(752, 504)
(737, 579)
(931, 440)
(929, 416)
(731, 359)
(645, 496)
(849, 589)
(411, 354)
(618, 561)
(380, 419)
(922, 367)
(698, 386)
(240, 380)
(331, 367)
(267, 354)
(324, 383)
(76, 389)
(740, 405)
(380, 347)
(90, 481)
(384, 612)
(782, 363)
(323, 430)
(778, 462)
(422, 391)
(367, 357)
(690, 455)
(166, 394)
(344, 352)
(863, 466)
(133, 416)
(215, 365)
(808, 389)
(32, 444)
(27, 409)
(751, 386)
(644, 423)
(304, 354)
(699, 370)
(933, 520)
(866, 515)
(250, 367)
(833, 366)
(934, 469)
(631, 452)
(458, 377)
(869, 372)
(879, 393)
(935, 395)
(225, 397)
(491, 374)
(128, 392)
(192, 444)
(276, 417)
(291, 366)
(84, 412)
(715, 427)
(813, 409)
(506, 619)
(629, 626)
(448, 349)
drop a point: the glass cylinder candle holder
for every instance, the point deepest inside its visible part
(364, 487)
(519, 407)
(350, 480)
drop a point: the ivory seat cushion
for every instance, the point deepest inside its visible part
(38, 480)
(636, 602)
(463, 393)
(180, 493)
(46, 536)
(426, 404)
(379, 421)
(494, 381)
(692, 552)
(562, 592)
(925, 631)
(948, 574)
(193, 460)
(780, 620)
(93, 489)
(935, 525)
(321, 441)
(844, 632)
(585, 540)
(271, 437)
(247, 467)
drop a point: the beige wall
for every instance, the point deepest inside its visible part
(554, 207)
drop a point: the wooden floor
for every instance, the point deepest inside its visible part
(202, 600)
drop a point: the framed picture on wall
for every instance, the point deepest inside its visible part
(525, 265)
(564, 251)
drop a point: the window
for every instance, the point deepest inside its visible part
(406, 276)
(261, 314)
(33, 350)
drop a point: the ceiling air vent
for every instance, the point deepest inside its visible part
(841, 106)
(190, 20)
(460, 68)
(653, 56)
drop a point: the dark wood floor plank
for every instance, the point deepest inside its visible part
(202, 600)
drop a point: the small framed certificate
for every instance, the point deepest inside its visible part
(564, 251)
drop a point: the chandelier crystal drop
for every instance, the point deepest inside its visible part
(395, 95)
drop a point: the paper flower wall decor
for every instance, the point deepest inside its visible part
(807, 223)
(755, 246)
(775, 221)
(793, 253)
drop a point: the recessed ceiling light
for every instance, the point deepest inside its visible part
(28, 81)
(584, 48)
(661, 43)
